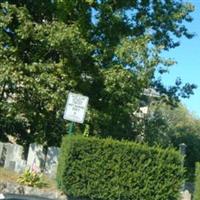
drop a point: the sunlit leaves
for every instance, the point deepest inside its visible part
(107, 50)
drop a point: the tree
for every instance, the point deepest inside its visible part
(107, 50)
(167, 126)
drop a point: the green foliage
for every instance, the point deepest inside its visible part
(197, 182)
(107, 169)
(169, 126)
(31, 178)
(35, 81)
(107, 50)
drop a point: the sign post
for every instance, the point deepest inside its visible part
(71, 128)
(75, 110)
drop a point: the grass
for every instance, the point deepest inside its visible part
(7, 175)
(10, 176)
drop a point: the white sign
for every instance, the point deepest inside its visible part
(76, 107)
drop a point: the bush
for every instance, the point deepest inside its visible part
(105, 169)
(197, 182)
(32, 179)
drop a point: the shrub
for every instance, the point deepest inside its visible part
(197, 182)
(31, 178)
(105, 169)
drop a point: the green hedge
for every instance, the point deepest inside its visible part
(105, 169)
(197, 182)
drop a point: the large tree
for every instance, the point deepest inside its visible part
(108, 50)
(167, 126)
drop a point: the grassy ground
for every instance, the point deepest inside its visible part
(10, 176)
(7, 176)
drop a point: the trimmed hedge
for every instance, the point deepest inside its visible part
(197, 182)
(106, 169)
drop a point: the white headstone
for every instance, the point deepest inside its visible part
(36, 157)
(14, 153)
(2, 196)
(185, 195)
(52, 161)
(20, 166)
(11, 165)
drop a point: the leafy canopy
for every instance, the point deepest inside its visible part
(108, 50)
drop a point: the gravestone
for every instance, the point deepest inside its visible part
(11, 165)
(14, 153)
(52, 161)
(20, 166)
(185, 195)
(1, 154)
(36, 157)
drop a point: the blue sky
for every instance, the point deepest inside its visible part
(188, 57)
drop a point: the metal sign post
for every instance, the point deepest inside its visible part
(75, 110)
(71, 128)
